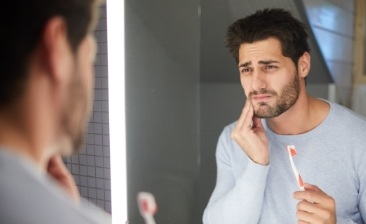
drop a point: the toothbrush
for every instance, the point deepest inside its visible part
(291, 153)
(147, 206)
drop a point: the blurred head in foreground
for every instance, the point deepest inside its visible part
(46, 72)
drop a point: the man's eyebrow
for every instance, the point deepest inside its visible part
(245, 64)
(264, 62)
(267, 62)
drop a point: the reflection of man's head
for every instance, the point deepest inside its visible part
(272, 32)
(267, 23)
(26, 48)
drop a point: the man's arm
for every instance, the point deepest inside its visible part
(240, 200)
(235, 200)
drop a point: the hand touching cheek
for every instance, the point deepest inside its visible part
(57, 169)
(250, 135)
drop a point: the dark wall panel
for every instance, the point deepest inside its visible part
(162, 74)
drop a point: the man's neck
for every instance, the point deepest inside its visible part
(24, 134)
(306, 114)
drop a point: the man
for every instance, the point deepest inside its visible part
(255, 182)
(45, 99)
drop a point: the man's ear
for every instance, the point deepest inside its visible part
(304, 65)
(55, 48)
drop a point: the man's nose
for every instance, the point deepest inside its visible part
(258, 80)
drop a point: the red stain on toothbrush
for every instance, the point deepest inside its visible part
(301, 183)
(147, 203)
(145, 206)
(148, 207)
(293, 151)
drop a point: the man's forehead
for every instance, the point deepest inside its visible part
(268, 45)
(261, 51)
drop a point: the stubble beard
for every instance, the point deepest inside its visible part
(287, 98)
(75, 116)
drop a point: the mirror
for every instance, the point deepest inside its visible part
(182, 88)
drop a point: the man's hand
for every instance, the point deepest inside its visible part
(57, 169)
(250, 135)
(315, 207)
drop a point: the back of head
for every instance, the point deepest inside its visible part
(263, 24)
(22, 23)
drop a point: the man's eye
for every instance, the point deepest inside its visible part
(271, 67)
(245, 70)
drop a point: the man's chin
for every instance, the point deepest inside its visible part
(264, 111)
(64, 147)
(69, 147)
(263, 115)
(261, 110)
(78, 144)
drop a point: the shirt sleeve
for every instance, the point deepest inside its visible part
(235, 200)
(361, 169)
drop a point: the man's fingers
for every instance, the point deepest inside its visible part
(57, 169)
(302, 222)
(248, 118)
(315, 205)
(311, 212)
(56, 166)
(257, 122)
(242, 121)
(306, 206)
(308, 195)
(312, 194)
(306, 217)
(312, 187)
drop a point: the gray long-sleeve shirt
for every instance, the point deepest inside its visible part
(331, 156)
(30, 196)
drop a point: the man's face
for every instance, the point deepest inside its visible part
(80, 93)
(270, 80)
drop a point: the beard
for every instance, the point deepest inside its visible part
(75, 116)
(286, 99)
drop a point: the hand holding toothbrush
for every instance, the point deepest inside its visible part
(315, 206)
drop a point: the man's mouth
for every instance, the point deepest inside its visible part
(261, 97)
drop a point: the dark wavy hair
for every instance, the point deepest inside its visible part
(22, 23)
(263, 24)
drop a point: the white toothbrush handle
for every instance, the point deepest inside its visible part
(149, 219)
(297, 175)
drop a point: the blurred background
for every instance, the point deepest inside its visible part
(182, 88)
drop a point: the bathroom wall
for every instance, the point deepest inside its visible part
(91, 167)
(162, 107)
(332, 22)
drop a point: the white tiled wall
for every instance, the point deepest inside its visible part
(91, 167)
